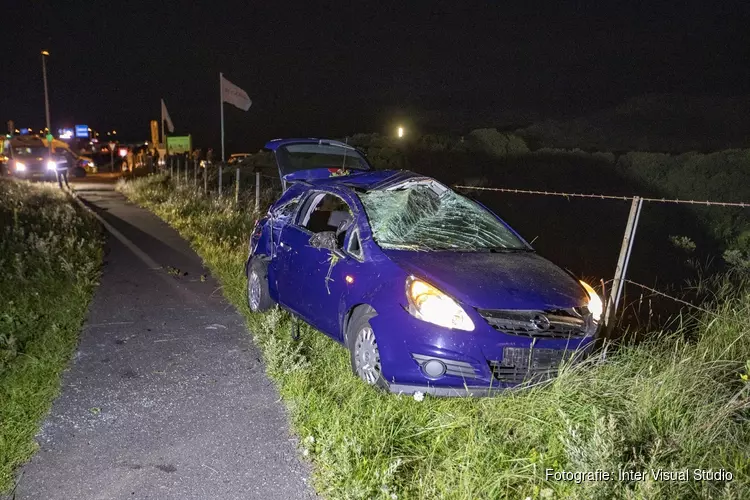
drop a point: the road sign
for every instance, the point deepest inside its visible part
(50, 138)
(154, 133)
(178, 144)
(82, 131)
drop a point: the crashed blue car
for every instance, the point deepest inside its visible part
(430, 291)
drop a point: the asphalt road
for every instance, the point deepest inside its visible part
(166, 396)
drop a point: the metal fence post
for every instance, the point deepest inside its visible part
(171, 166)
(187, 170)
(195, 173)
(257, 191)
(220, 169)
(205, 179)
(618, 283)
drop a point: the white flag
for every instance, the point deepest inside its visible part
(232, 94)
(165, 116)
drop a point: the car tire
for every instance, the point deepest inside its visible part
(363, 350)
(258, 298)
(79, 172)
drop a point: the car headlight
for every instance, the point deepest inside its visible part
(51, 165)
(595, 305)
(430, 304)
(20, 167)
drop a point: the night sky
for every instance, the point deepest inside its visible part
(325, 69)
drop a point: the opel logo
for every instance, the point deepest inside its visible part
(540, 322)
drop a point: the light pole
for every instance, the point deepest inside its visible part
(45, 54)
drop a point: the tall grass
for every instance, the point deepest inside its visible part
(49, 259)
(676, 401)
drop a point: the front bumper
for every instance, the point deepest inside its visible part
(482, 362)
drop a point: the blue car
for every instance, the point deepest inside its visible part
(430, 291)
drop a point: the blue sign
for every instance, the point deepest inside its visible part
(25, 131)
(82, 130)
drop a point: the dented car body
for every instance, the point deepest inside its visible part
(430, 291)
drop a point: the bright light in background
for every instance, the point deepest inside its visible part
(400, 132)
(45, 53)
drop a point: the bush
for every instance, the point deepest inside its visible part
(49, 259)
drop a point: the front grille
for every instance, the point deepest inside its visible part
(521, 364)
(556, 324)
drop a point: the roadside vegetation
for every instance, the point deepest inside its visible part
(676, 401)
(50, 252)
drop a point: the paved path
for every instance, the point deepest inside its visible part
(166, 396)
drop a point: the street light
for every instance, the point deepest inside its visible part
(45, 54)
(400, 132)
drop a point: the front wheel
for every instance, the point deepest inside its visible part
(258, 298)
(363, 348)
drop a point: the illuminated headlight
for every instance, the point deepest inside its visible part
(51, 165)
(595, 305)
(430, 304)
(20, 167)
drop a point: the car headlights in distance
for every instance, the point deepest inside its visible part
(430, 304)
(595, 305)
(51, 165)
(20, 167)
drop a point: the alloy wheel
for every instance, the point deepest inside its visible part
(254, 290)
(366, 356)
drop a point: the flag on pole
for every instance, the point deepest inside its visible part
(165, 116)
(234, 95)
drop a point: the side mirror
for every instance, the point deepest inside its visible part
(344, 226)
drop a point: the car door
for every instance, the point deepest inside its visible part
(312, 281)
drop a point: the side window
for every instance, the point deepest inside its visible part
(355, 245)
(287, 210)
(324, 213)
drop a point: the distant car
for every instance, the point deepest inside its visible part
(31, 161)
(429, 290)
(237, 158)
(87, 164)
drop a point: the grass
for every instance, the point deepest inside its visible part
(676, 401)
(50, 253)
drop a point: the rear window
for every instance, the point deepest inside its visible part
(296, 157)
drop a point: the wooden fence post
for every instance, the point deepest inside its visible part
(220, 169)
(618, 283)
(237, 188)
(257, 191)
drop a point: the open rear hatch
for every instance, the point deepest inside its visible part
(309, 159)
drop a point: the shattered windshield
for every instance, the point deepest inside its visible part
(429, 216)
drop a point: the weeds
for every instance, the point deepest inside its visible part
(674, 401)
(49, 260)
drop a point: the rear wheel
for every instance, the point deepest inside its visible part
(363, 348)
(258, 298)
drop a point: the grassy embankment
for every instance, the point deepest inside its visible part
(675, 402)
(50, 252)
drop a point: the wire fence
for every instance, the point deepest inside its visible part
(247, 184)
(614, 296)
(609, 197)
